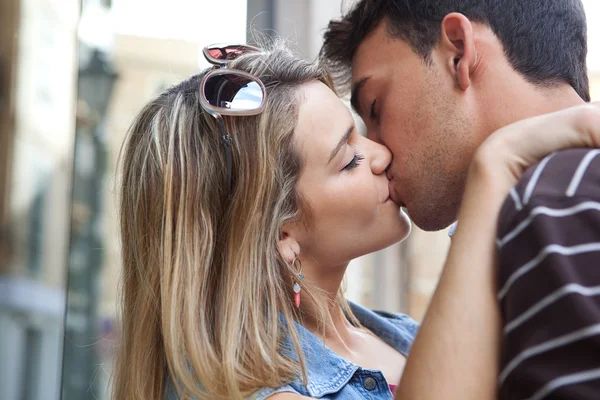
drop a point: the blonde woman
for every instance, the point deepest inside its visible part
(246, 191)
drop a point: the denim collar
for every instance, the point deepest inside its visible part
(327, 372)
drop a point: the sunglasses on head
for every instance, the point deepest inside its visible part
(226, 91)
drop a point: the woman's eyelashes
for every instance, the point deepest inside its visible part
(354, 162)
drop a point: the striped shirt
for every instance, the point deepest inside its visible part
(549, 280)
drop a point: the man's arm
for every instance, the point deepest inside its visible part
(548, 283)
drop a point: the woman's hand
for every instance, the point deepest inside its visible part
(508, 152)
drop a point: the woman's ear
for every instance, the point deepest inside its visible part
(288, 246)
(458, 43)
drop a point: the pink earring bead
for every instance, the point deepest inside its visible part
(297, 299)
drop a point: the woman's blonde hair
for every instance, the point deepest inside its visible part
(205, 297)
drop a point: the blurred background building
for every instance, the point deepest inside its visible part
(72, 76)
(38, 69)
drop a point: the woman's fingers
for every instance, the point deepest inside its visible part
(517, 146)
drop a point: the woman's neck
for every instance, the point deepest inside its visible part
(336, 327)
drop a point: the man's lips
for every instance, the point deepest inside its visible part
(394, 196)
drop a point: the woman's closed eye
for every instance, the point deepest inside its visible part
(354, 162)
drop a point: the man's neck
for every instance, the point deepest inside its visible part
(538, 101)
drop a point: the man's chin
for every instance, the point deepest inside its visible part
(430, 222)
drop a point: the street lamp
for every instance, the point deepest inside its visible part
(81, 361)
(96, 81)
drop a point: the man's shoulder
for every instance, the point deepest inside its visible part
(564, 177)
(548, 250)
(567, 173)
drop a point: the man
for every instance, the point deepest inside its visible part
(432, 84)
(432, 80)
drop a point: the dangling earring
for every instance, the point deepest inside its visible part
(297, 264)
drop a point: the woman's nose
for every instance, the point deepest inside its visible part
(381, 158)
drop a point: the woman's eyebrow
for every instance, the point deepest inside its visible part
(342, 142)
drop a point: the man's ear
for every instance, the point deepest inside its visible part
(458, 46)
(288, 247)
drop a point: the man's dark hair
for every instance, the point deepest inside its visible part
(544, 40)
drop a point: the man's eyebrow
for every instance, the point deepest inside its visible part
(355, 91)
(342, 142)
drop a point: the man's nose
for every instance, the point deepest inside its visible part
(373, 136)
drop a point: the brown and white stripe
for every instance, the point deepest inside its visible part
(549, 280)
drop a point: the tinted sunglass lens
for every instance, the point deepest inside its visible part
(217, 53)
(229, 52)
(233, 92)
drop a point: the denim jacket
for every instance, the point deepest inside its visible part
(332, 377)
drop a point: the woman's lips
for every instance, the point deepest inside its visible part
(386, 199)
